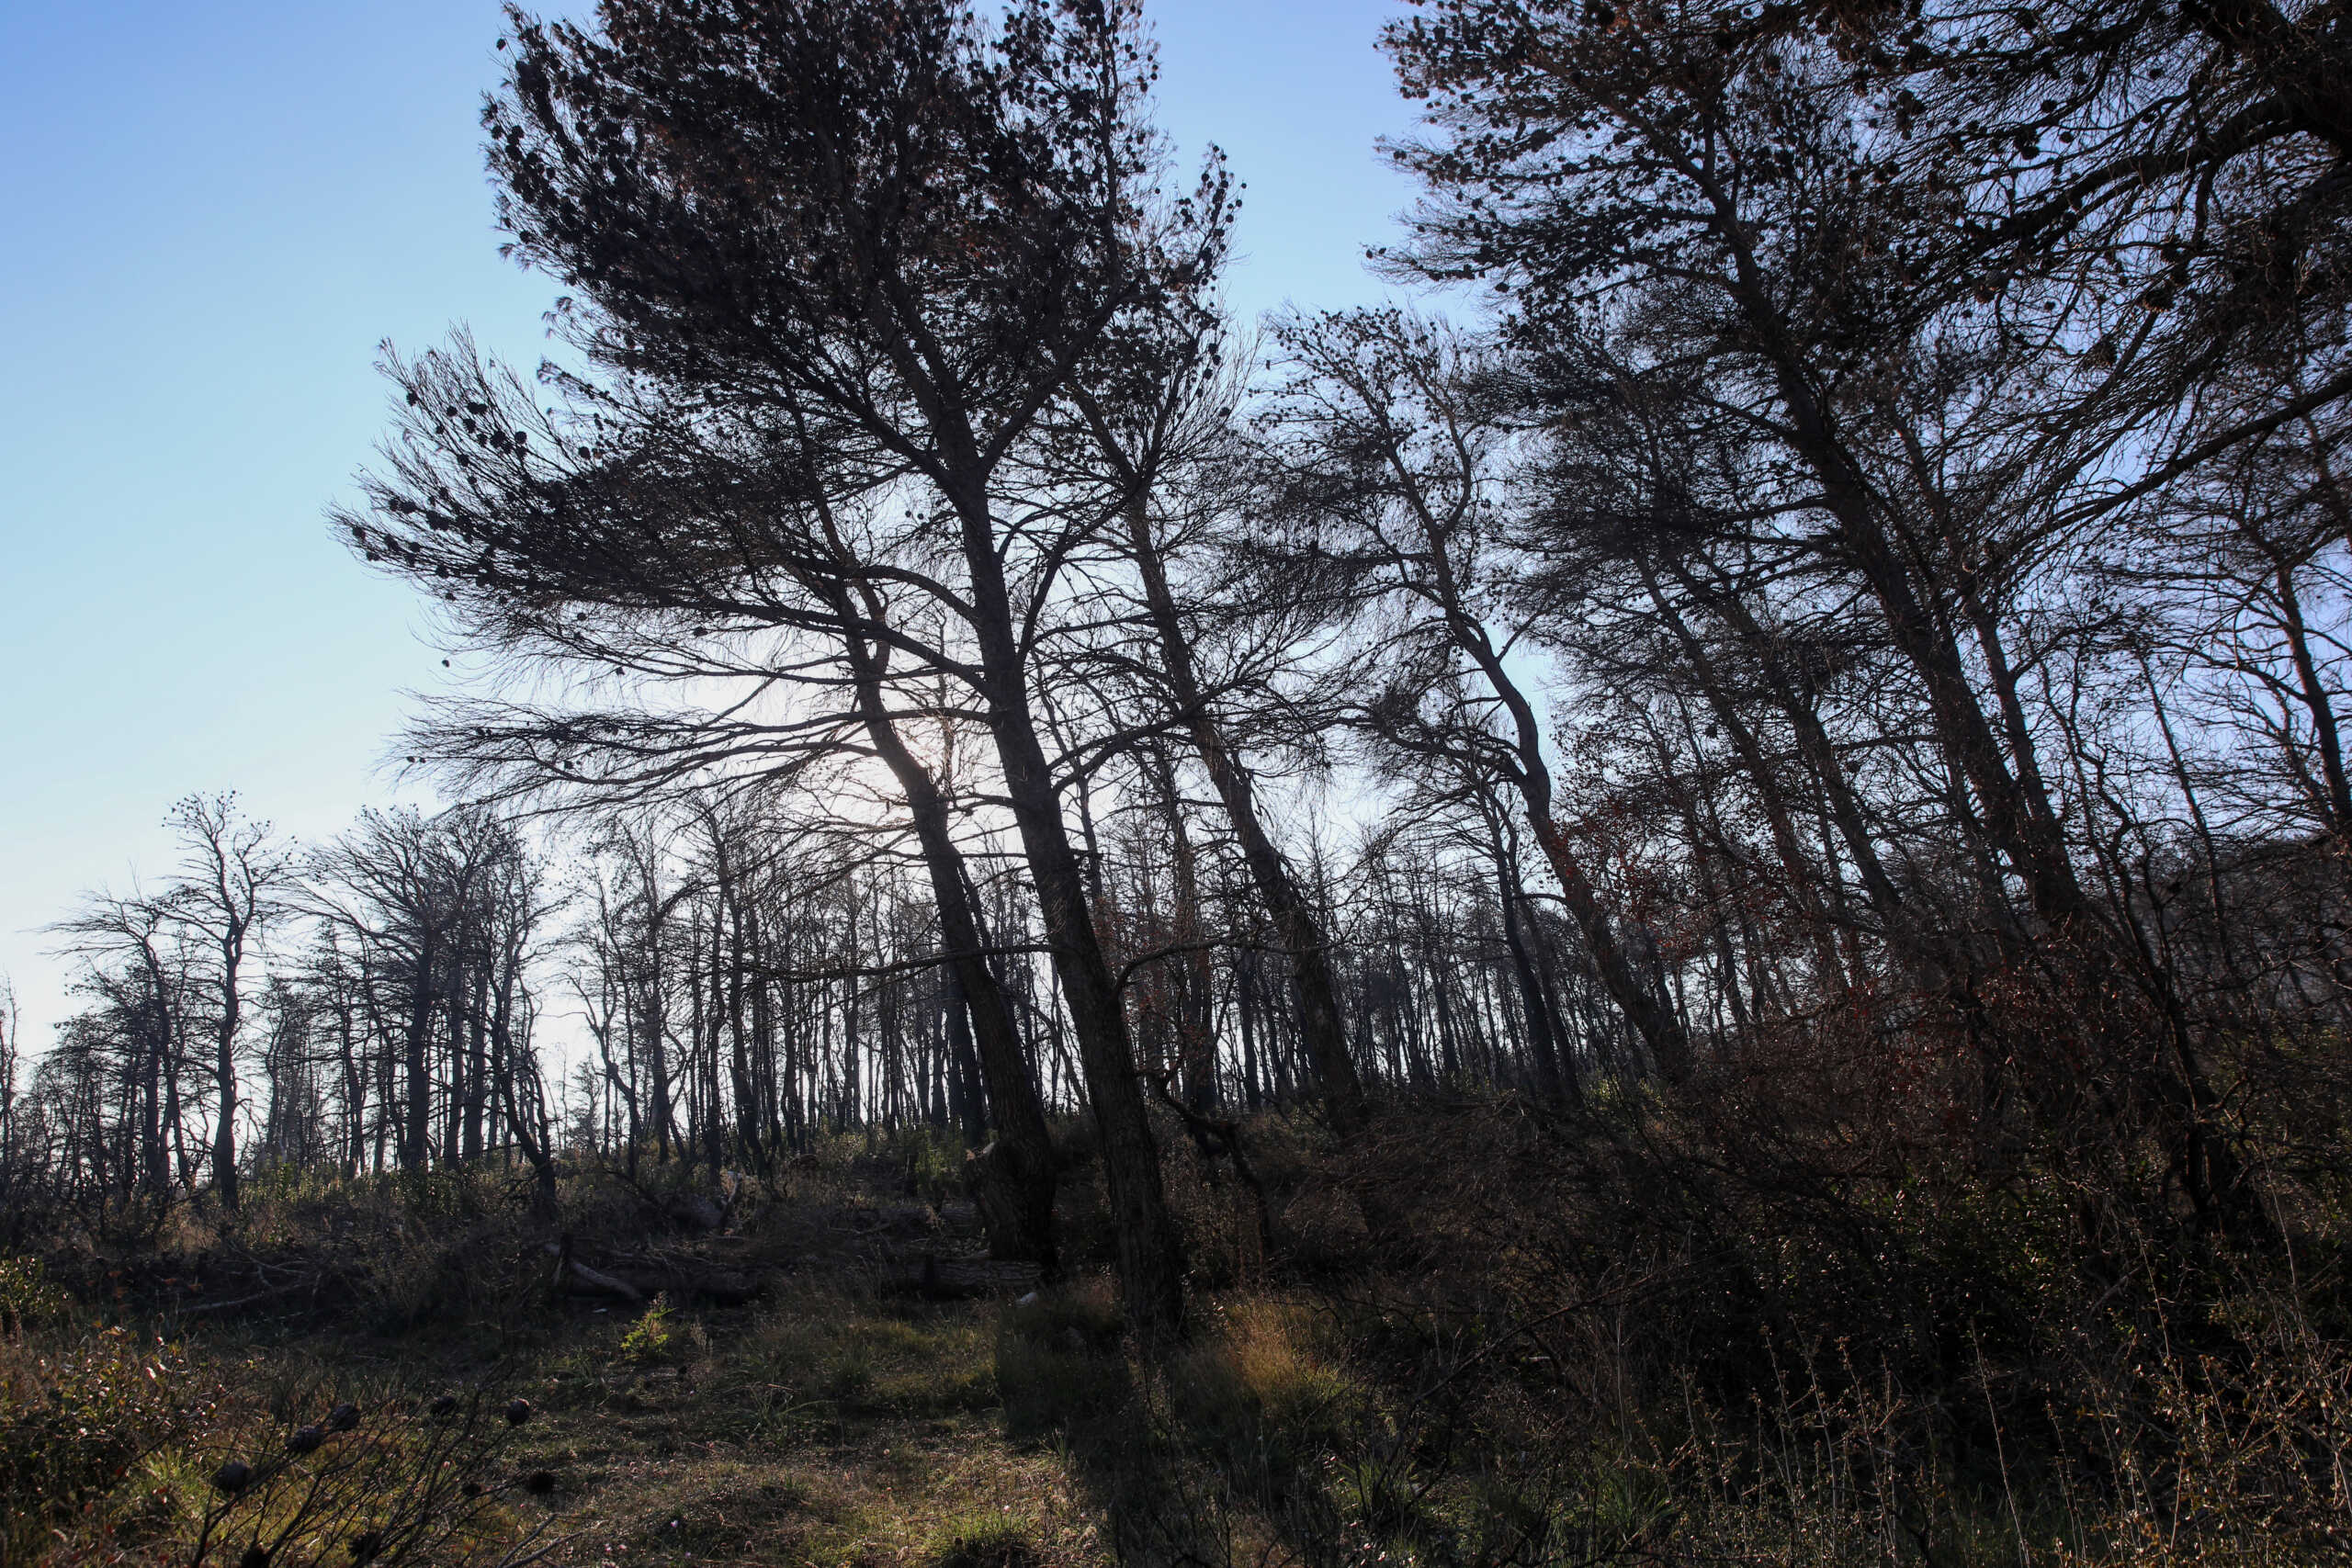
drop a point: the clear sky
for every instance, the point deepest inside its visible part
(210, 213)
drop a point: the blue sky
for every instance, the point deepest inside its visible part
(210, 214)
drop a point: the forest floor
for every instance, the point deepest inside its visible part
(853, 1411)
(360, 1373)
(824, 1424)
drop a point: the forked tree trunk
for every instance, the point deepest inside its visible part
(1151, 1260)
(1015, 1173)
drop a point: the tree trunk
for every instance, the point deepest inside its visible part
(1151, 1266)
(416, 1130)
(1026, 1165)
(1295, 918)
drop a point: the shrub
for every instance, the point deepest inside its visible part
(75, 1420)
(25, 1296)
(648, 1341)
(419, 1480)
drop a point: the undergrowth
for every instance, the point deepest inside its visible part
(1493, 1335)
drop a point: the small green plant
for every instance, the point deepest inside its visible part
(649, 1339)
(25, 1296)
(848, 1379)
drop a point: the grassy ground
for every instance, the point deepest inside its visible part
(826, 1426)
(826, 1423)
(1497, 1372)
(844, 1417)
(829, 1424)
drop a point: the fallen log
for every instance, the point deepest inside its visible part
(637, 1282)
(574, 1278)
(960, 1279)
(603, 1284)
(276, 1294)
